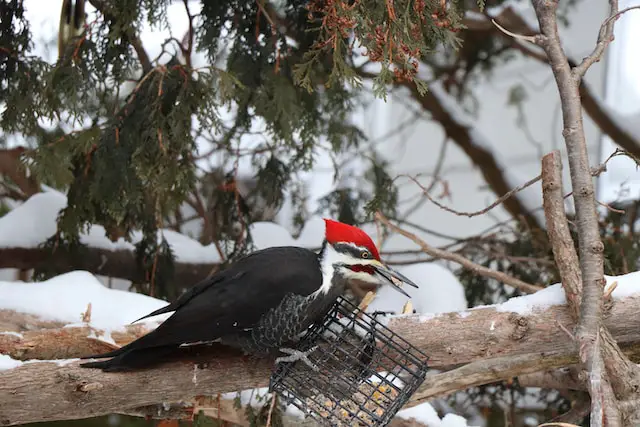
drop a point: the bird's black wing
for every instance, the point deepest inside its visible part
(195, 290)
(234, 299)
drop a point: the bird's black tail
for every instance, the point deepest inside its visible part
(129, 360)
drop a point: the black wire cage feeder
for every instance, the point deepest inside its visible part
(357, 371)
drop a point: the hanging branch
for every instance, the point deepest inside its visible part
(449, 256)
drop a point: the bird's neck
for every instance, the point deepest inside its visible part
(332, 282)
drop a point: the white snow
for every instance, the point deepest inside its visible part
(425, 414)
(66, 297)
(34, 221)
(626, 285)
(439, 291)
(15, 334)
(6, 362)
(551, 295)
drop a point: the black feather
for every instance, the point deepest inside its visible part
(227, 305)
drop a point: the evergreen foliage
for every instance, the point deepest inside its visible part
(129, 161)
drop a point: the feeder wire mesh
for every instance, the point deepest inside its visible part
(362, 372)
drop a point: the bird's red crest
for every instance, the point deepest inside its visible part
(340, 232)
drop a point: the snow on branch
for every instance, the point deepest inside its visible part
(24, 229)
(522, 335)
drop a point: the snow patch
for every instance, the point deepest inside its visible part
(7, 362)
(425, 414)
(551, 295)
(626, 285)
(15, 334)
(104, 337)
(439, 291)
(65, 298)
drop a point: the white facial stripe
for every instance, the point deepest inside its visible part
(331, 257)
(362, 276)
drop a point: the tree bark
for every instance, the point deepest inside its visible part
(564, 251)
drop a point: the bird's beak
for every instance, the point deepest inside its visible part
(392, 277)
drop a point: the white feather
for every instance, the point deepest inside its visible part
(330, 257)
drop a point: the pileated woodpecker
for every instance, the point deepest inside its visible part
(262, 302)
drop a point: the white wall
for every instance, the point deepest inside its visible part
(622, 179)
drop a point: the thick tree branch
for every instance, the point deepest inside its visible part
(499, 344)
(12, 168)
(120, 263)
(450, 256)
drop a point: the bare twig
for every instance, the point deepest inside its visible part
(189, 36)
(274, 397)
(449, 256)
(530, 39)
(476, 213)
(604, 38)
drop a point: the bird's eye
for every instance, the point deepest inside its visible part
(365, 255)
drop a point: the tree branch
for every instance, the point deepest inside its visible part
(604, 38)
(604, 407)
(105, 9)
(12, 168)
(119, 263)
(499, 344)
(564, 251)
(449, 256)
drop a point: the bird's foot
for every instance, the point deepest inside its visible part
(295, 355)
(377, 313)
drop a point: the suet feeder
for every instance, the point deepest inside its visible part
(357, 371)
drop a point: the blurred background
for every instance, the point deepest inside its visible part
(102, 150)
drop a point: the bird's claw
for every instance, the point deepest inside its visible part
(297, 355)
(377, 313)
